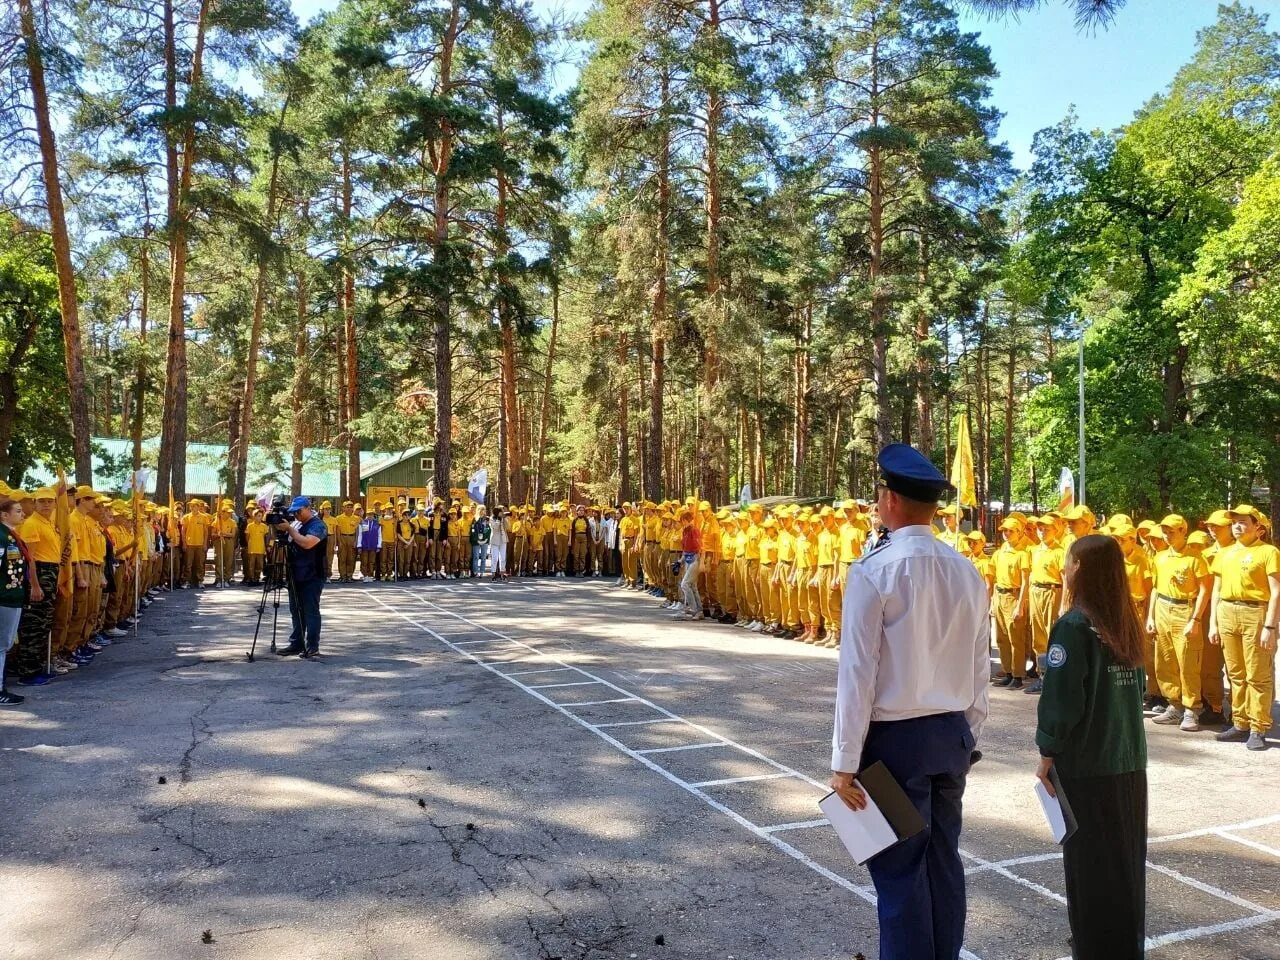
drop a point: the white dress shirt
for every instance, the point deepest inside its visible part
(914, 640)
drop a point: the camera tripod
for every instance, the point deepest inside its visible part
(275, 576)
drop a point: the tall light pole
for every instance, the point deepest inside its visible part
(1080, 410)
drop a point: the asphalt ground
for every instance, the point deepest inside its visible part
(533, 769)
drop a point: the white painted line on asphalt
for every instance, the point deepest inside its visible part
(728, 780)
(1208, 888)
(467, 643)
(522, 673)
(596, 703)
(1262, 847)
(634, 723)
(776, 842)
(1015, 861)
(798, 825)
(1206, 831)
(575, 683)
(687, 746)
(1022, 881)
(1198, 933)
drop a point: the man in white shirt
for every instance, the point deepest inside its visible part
(912, 692)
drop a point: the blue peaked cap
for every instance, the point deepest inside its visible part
(299, 503)
(910, 473)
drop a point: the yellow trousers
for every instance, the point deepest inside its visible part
(1212, 664)
(346, 555)
(630, 562)
(725, 586)
(1044, 610)
(1250, 669)
(253, 567)
(581, 551)
(787, 594)
(770, 596)
(224, 559)
(193, 563)
(1178, 655)
(1011, 634)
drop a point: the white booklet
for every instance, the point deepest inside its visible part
(864, 832)
(1057, 811)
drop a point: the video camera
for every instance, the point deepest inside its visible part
(279, 512)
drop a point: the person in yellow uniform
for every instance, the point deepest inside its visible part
(33, 659)
(118, 604)
(222, 534)
(770, 594)
(1176, 614)
(330, 541)
(255, 547)
(976, 543)
(628, 531)
(804, 566)
(580, 541)
(346, 526)
(536, 527)
(519, 542)
(1047, 559)
(1009, 607)
(456, 541)
(90, 552)
(561, 528)
(1245, 619)
(827, 550)
(784, 572)
(1212, 664)
(195, 542)
(1138, 576)
(388, 552)
(726, 588)
(709, 527)
(405, 531)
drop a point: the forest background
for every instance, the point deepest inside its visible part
(751, 243)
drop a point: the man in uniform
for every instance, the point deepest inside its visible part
(331, 538)
(44, 542)
(1047, 560)
(89, 553)
(255, 545)
(1009, 607)
(1212, 663)
(725, 583)
(346, 527)
(561, 529)
(828, 551)
(369, 541)
(195, 539)
(911, 693)
(1176, 614)
(784, 575)
(1244, 620)
(223, 531)
(580, 541)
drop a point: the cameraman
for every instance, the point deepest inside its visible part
(306, 577)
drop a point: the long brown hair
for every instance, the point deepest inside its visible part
(1100, 591)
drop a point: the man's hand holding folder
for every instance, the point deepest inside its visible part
(845, 786)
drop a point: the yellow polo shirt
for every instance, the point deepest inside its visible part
(1244, 570)
(1178, 575)
(42, 539)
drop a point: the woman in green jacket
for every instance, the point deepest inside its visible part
(1090, 731)
(14, 586)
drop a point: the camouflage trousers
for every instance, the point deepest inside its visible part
(37, 621)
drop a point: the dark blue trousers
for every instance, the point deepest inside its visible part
(304, 608)
(920, 882)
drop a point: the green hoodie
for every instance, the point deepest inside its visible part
(1091, 707)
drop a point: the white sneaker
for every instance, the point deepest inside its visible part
(1190, 722)
(756, 627)
(117, 632)
(698, 616)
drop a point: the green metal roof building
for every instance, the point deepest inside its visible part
(206, 463)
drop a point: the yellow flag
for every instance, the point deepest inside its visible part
(962, 468)
(62, 520)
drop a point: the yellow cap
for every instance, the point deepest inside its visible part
(1219, 518)
(1199, 539)
(45, 493)
(1174, 522)
(1121, 529)
(976, 536)
(1246, 510)
(326, 504)
(1010, 524)
(1078, 512)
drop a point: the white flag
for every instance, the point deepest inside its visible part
(1066, 490)
(265, 496)
(744, 496)
(477, 485)
(140, 479)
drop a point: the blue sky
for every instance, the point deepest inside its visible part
(1046, 65)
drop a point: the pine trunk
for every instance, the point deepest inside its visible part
(539, 480)
(68, 305)
(301, 352)
(658, 329)
(443, 305)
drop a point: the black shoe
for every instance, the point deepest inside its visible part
(1016, 683)
(292, 650)
(1212, 718)
(1034, 687)
(1256, 741)
(8, 699)
(1033, 674)
(1232, 734)
(1149, 702)
(1003, 680)
(310, 654)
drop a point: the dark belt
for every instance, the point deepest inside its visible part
(1247, 603)
(1006, 589)
(1047, 586)
(1176, 603)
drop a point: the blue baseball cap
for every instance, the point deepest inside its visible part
(299, 503)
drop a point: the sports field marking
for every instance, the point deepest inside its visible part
(862, 893)
(1245, 841)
